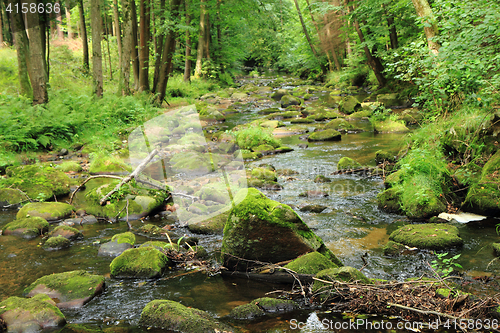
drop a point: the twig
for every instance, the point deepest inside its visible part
(428, 312)
(128, 224)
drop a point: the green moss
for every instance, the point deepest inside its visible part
(288, 100)
(382, 156)
(246, 311)
(263, 148)
(66, 231)
(47, 210)
(347, 163)
(349, 104)
(265, 174)
(389, 100)
(71, 285)
(359, 115)
(308, 120)
(496, 248)
(143, 262)
(339, 124)
(173, 316)
(69, 166)
(212, 225)
(310, 263)
(57, 243)
(29, 227)
(343, 274)
(272, 124)
(395, 178)
(102, 163)
(443, 292)
(326, 135)
(424, 199)
(428, 236)
(125, 237)
(389, 126)
(156, 244)
(393, 248)
(322, 179)
(9, 196)
(269, 111)
(261, 306)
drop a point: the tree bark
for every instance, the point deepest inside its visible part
(135, 54)
(393, 35)
(60, 33)
(206, 38)
(1, 27)
(83, 34)
(124, 81)
(116, 21)
(22, 47)
(68, 19)
(431, 29)
(201, 40)
(6, 21)
(159, 49)
(107, 44)
(96, 22)
(144, 14)
(187, 61)
(37, 69)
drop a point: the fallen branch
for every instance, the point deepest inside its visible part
(426, 312)
(88, 179)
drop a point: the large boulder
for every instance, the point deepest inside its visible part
(142, 262)
(50, 211)
(27, 315)
(262, 229)
(310, 263)
(11, 198)
(287, 100)
(30, 227)
(66, 232)
(69, 289)
(172, 316)
(40, 182)
(349, 104)
(326, 135)
(434, 236)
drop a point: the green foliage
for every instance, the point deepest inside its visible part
(445, 266)
(254, 136)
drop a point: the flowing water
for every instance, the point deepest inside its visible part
(352, 226)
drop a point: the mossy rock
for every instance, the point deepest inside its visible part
(264, 174)
(213, 194)
(11, 197)
(359, 115)
(432, 236)
(496, 249)
(390, 100)
(259, 228)
(212, 225)
(57, 243)
(265, 148)
(28, 228)
(390, 200)
(269, 111)
(394, 178)
(66, 232)
(142, 262)
(30, 314)
(382, 156)
(108, 164)
(322, 179)
(326, 135)
(288, 100)
(310, 263)
(340, 125)
(262, 306)
(342, 274)
(484, 197)
(286, 172)
(173, 316)
(424, 199)
(313, 208)
(69, 166)
(40, 182)
(272, 124)
(389, 126)
(308, 120)
(347, 163)
(124, 237)
(393, 248)
(70, 289)
(251, 156)
(263, 184)
(198, 208)
(50, 211)
(349, 104)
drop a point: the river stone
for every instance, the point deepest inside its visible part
(433, 236)
(213, 225)
(359, 115)
(28, 228)
(113, 249)
(313, 208)
(11, 197)
(50, 211)
(40, 182)
(347, 163)
(56, 243)
(349, 104)
(107, 164)
(67, 232)
(313, 193)
(310, 263)
(340, 125)
(383, 156)
(262, 306)
(326, 135)
(142, 262)
(69, 289)
(262, 229)
(28, 315)
(389, 100)
(389, 126)
(342, 274)
(239, 95)
(288, 100)
(322, 179)
(173, 316)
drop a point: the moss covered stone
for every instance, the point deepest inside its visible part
(389, 126)
(142, 262)
(424, 199)
(393, 248)
(389, 100)
(349, 104)
(496, 248)
(382, 156)
(30, 314)
(308, 120)
(359, 115)
(11, 197)
(212, 225)
(29, 227)
(428, 236)
(310, 263)
(70, 289)
(125, 237)
(287, 100)
(390, 200)
(69, 166)
(259, 228)
(262, 306)
(326, 135)
(173, 316)
(57, 243)
(264, 173)
(40, 182)
(340, 125)
(322, 179)
(50, 211)
(347, 163)
(67, 232)
(108, 164)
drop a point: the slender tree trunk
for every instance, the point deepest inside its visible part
(83, 34)
(6, 21)
(159, 49)
(1, 27)
(96, 22)
(187, 62)
(201, 40)
(135, 54)
(144, 45)
(68, 19)
(206, 38)
(168, 53)
(22, 47)
(60, 33)
(116, 21)
(393, 35)
(124, 82)
(430, 28)
(38, 75)
(107, 43)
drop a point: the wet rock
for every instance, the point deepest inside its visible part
(108, 164)
(313, 193)
(50, 211)
(288, 100)
(359, 115)
(27, 315)
(142, 262)
(389, 100)
(342, 274)
(428, 236)
(28, 228)
(212, 225)
(393, 248)
(349, 104)
(173, 316)
(326, 135)
(56, 243)
(322, 179)
(389, 126)
(11, 197)
(69, 289)
(347, 163)
(118, 244)
(310, 263)
(383, 156)
(40, 182)
(262, 229)
(87, 219)
(341, 125)
(390, 200)
(496, 248)
(303, 145)
(262, 306)
(313, 208)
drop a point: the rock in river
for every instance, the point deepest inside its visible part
(28, 228)
(143, 262)
(432, 236)
(118, 244)
(51, 211)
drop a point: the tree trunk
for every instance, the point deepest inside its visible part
(168, 53)
(124, 82)
(187, 62)
(6, 21)
(144, 45)
(23, 57)
(37, 69)
(60, 33)
(96, 25)
(83, 34)
(159, 49)
(135, 54)
(107, 44)
(393, 35)
(68, 19)
(206, 38)
(373, 61)
(116, 21)
(430, 26)
(201, 40)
